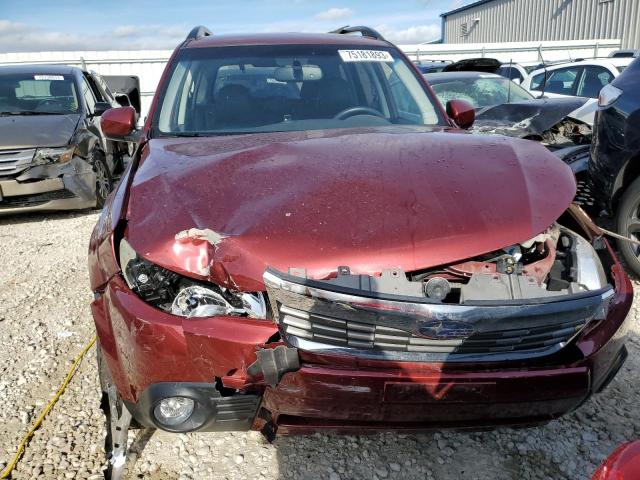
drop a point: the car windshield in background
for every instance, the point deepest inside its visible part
(286, 88)
(480, 92)
(24, 94)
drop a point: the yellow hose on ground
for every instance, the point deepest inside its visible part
(34, 427)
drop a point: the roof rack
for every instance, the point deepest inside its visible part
(365, 31)
(199, 32)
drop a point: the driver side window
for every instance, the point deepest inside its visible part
(89, 98)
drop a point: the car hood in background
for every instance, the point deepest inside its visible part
(526, 118)
(224, 208)
(28, 131)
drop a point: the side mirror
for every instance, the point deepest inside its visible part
(119, 124)
(100, 108)
(461, 112)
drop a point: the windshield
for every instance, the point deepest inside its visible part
(480, 92)
(286, 88)
(23, 94)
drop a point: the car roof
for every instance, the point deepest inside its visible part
(285, 39)
(607, 62)
(443, 76)
(38, 69)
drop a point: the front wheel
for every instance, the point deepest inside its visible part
(628, 225)
(104, 180)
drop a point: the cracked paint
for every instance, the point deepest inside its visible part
(208, 235)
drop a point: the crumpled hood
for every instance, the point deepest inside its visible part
(526, 118)
(225, 208)
(28, 131)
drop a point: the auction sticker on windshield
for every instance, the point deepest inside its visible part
(365, 56)
(48, 77)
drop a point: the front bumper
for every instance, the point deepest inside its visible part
(69, 186)
(334, 390)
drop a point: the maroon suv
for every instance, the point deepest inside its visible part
(306, 240)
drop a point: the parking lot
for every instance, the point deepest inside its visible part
(45, 320)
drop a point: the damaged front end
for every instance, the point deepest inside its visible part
(45, 179)
(351, 351)
(524, 301)
(547, 121)
(445, 312)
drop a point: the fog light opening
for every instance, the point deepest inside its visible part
(172, 411)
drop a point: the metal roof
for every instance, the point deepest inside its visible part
(465, 7)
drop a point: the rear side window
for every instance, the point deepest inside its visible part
(593, 79)
(511, 73)
(562, 81)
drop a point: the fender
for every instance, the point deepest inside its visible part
(576, 157)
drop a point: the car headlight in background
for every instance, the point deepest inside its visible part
(608, 95)
(183, 296)
(45, 156)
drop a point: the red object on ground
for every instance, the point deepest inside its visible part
(622, 464)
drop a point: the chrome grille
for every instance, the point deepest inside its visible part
(15, 161)
(320, 317)
(344, 333)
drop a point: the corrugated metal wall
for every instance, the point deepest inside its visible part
(536, 20)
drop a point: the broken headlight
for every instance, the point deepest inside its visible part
(589, 271)
(183, 296)
(45, 156)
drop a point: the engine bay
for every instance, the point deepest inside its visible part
(556, 262)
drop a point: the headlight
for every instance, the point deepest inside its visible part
(608, 95)
(590, 274)
(44, 156)
(185, 296)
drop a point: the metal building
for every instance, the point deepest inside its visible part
(538, 20)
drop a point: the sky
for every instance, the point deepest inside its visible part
(62, 25)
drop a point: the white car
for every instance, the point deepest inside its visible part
(583, 78)
(517, 71)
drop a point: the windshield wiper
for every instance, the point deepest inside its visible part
(207, 134)
(186, 134)
(28, 112)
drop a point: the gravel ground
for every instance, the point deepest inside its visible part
(45, 320)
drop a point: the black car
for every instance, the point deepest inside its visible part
(53, 155)
(614, 166)
(431, 66)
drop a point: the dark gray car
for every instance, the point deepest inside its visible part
(53, 155)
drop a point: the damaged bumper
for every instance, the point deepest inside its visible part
(323, 318)
(347, 382)
(66, 186)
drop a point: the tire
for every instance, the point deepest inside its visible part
(628, 225)
(104, 180)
